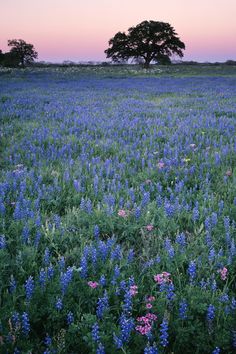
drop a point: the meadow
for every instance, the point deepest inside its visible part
(118, 211)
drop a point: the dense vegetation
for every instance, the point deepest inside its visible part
(117, 213)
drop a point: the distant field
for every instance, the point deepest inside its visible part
(118, 210)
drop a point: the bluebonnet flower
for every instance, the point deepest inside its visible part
(224, 298)
(183, 306)
(65, 279)
(130, 256)
(59, 304)
(169, 248)
(100, 349)
(164, 333)
(232, 248)
(84, 267)
(213, 285)
(181, 240)
(115, 275)
(170, 291)
(117, 341)
(128, 303)
(195, 215)
(48, 340)
(169, 209)
(103, 249)
(15, 320)
(116, 253)
(77, 185)
(233, 303)
(25, 324)
(150, 349)
(95, 184)
(126, 326)
(102, 305)
(208, 238)
(82, 204)
(50, 271)
(146, 199)
(37, 238)
(210, 313)
(96, 232)
(29, 288)
(102, 280)
(2, 242)
(221, 206)
(46, 257)
(95, 333)
(192, 270)
(234, 339)
(159, 201)
(61, 263)
(216, 350)
(93, 256)
(2, 208)
(137, 213)
(227, 223)
(89, 207)
(12, 284)
(42, 278)
(208, 223)
(211, 255)
(25, 234)
(70, 318)
(214, 219)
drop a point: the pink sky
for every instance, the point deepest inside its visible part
(79, 30)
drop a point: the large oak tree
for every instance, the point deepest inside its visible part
(25, 52)
(150, 41)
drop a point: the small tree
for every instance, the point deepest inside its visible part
(22, 50)
(149, 41)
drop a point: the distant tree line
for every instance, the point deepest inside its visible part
(146, 43)
(20, 54)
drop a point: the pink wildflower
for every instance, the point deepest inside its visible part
(163, 277)
(228, 173)
(148, 305)
(150, 298)
(160, 165)
(146, 323)
(151, 316)
(223, 273)
(149, 227)
(93, 284)
(192, 146)
(122, 213)
(133, 290)
(143, 329)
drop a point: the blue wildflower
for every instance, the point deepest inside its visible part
(164, 333)
(29, 288)
(102, 305)
(70, 318)
(95, 333)
(25, 324)
(183, 306)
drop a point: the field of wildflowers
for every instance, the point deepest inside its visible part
(117, 213)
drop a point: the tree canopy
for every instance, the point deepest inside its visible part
(149, 41)
(24, 52)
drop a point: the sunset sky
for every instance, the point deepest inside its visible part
(79, 30)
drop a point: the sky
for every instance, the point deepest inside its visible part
(79, 30)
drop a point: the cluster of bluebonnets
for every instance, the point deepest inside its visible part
(117, 214)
